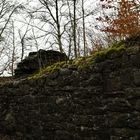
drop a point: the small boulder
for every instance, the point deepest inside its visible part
(37, 60)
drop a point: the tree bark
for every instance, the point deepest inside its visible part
(74, 29)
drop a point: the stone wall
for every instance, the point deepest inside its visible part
(102, 103)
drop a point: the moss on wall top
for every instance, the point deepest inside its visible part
(82, 63)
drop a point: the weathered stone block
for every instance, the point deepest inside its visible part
(137, 77)
(37, 60)
(113, 84)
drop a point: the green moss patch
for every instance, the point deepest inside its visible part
(109, 53)
(48, 70)
(118, 44)
(82, 63)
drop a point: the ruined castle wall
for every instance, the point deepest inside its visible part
(102, 103)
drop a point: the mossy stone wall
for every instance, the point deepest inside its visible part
(102, 103)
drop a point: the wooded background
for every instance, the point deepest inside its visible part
(76, 27)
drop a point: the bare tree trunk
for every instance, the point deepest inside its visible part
(74, 29)
(36, 43)
(55, 18)
(78, 42)
(22, 44)
(22, 40)
(70, 31)
(70, 44)
(58, 27)
(84, 32)
(13, 52)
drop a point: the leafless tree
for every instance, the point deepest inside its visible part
(22, 37)
(74, 28)
(7, 10)
(52, 10)
(84, 30)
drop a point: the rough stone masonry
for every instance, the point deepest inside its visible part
(100, 104)
(38, 60)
